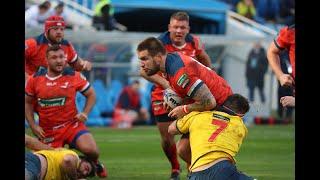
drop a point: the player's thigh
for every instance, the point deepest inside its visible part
(163, 129)
(80, 138)
(183, 144)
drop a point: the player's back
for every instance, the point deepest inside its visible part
(178, 65)
(54, 160)
(214, 134)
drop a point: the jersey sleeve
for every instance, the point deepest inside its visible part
(72, 54)
(30, 86)
(185, 83)
(183, 124)
(81, 83)
(199, 46)
(281, 41)
(30, 47)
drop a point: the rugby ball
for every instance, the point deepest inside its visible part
(172, 98)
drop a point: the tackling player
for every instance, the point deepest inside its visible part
(35, 48)
(51, 93)
(215, 139)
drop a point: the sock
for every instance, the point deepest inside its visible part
(171, 153)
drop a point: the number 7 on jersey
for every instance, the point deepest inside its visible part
(221, 124)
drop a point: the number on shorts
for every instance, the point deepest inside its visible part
(222, 125)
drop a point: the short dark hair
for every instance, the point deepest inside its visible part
(153, 45)
(180, 16)
(54, 47)
(237, 103)
(93, 166)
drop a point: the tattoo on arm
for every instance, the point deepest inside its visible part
(204, 100)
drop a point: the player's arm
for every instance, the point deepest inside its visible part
(204, 59)
(81, 65)
(155, 79)
(34, 144)
(274, 59)
(204, 101)
(172, 129)
(90, 101)
(69, 166)
(274, 62)
(29, 114)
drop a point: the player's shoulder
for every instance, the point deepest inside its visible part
(42, 71)
(174, 62)
(190, 38)
(165, 38)
(65, 42)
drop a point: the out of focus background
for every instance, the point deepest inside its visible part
(229, 36)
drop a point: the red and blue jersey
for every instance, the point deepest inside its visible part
(186, 75)
(286, 40)
(193, 47)
(56, 96)
(35, 53)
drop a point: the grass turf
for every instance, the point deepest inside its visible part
(266, 153)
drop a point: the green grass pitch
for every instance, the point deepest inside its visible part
(136, 154)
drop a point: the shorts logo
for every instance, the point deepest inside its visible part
(52, 102)
(183, 80)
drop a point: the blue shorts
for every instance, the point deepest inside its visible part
(32, 166)
(223, 170)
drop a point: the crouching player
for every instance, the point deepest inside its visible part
(215, 139)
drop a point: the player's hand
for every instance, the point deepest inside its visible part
(86, 66)
(177, 112)
(286, 80)
(38, 131)
(81, 117)
(288, 101)
(166, 107)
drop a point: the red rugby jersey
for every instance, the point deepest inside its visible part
(286, 40)
(186, 75)
(56, 96)
(35, 53)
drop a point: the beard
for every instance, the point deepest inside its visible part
(151, 72)
(55, 40)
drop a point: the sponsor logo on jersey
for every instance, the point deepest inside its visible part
(52, 102)
(183, 80)
(51, 83)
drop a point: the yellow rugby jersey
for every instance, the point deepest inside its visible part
(213, 135)
(54, 160)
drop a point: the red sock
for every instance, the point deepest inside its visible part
(171, 153)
